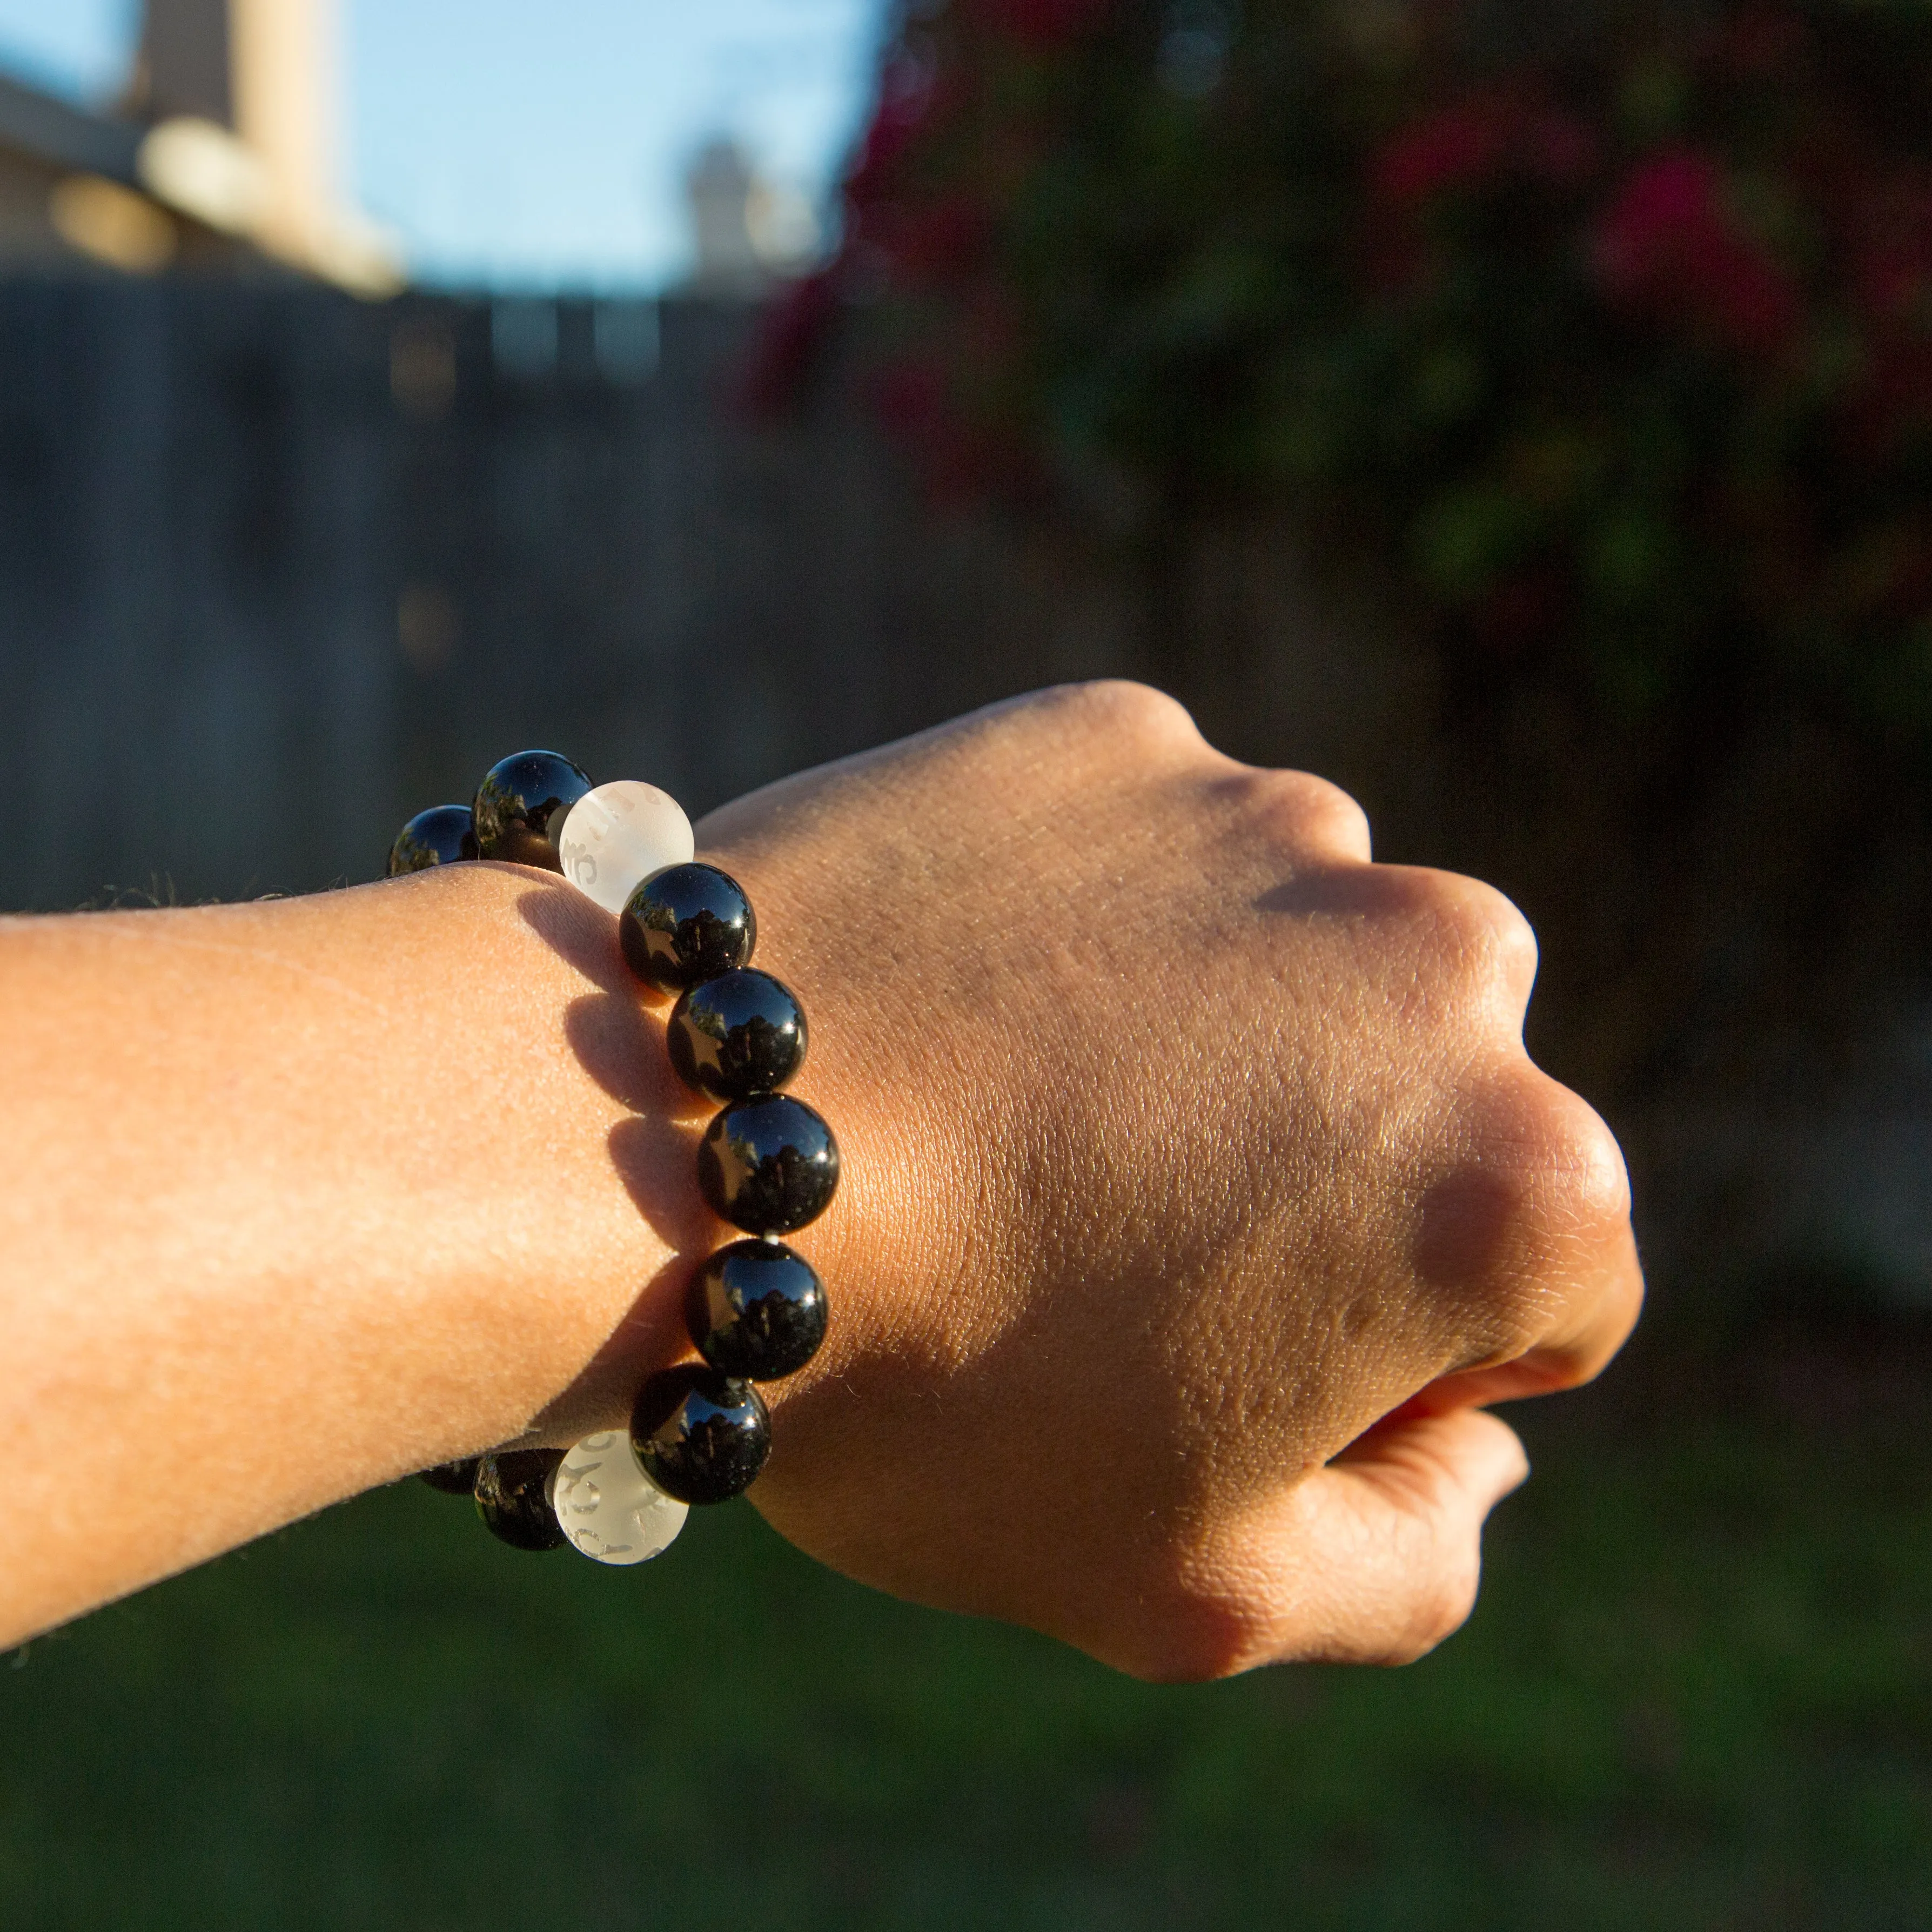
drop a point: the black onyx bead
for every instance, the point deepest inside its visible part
(521, 805)
(513, 1497)
(437, 837)
(701, 1436)
(768, 1165)
(757, 1311)
(741, 1034)
(687, 923)
(454, 1479)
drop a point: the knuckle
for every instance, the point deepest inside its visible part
(1569, 1164)
(1596, 1182)
(1538, 1205)
(1310, 811)
(1121, 705)
(1484, 932)
(1534, 1154)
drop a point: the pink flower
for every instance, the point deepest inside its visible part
(1669, 246)
(906, 100)
(938, 244)
(1459, 147)
(1477, 141)
(1667, 203)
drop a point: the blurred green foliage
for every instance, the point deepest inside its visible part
(1603, 331)
(1697, 1694)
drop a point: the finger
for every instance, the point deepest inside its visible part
(1375, 1558)
(1592, 1324)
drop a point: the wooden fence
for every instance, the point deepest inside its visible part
(276, 566)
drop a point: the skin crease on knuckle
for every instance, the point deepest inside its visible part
(1204, 1249)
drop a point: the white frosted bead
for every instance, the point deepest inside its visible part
(608, 1509)
(620, 833)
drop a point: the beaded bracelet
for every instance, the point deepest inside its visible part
(767, 1164)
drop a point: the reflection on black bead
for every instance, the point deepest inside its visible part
(454, 1479)
(687, 923)
(521, 805)
(741, 1034)
(701, 1436)
(768, 1165)
(757, 1311)
(513, 1499)
(437, 837)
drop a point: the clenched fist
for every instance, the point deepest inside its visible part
(1197, 1183)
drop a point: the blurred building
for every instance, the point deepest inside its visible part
(221, 155)
(746, 231)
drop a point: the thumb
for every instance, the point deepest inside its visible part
(1377, 1554)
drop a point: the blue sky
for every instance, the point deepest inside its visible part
(529, 145)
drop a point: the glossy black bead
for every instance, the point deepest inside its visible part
(437, 837)
(768, 1165)
(454, 1479)
(521, 805)
(741, 1034)
(687, 923)
(513, 1497)
(756, 1310)
(701, 1436)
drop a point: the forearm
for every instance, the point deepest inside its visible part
(309, 1193)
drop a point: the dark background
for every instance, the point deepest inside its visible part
(278, 568)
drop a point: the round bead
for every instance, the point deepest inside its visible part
(687, 923)
(700, 1436)
(437, 837)
(454, 1479)
(616, 836)
(512, 1498)
(757, 1311)
(608, 1509)
(521, 805)
(768, 1165)
(741, 1034)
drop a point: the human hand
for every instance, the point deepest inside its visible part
(1196, 1183)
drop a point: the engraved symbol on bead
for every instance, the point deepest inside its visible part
(618, 834)
(624, 1518)
(587, 1543)
(576, 1491)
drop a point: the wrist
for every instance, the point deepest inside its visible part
(767, 1162)
(586, 1222)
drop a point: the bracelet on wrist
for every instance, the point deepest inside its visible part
(767, 1164)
